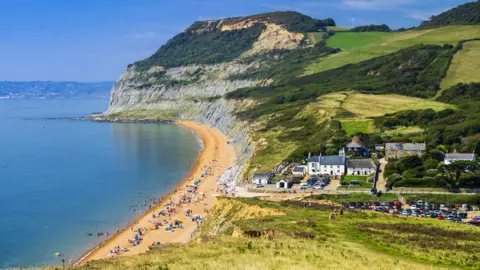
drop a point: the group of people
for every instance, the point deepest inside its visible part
(189, 196)
(116, 251)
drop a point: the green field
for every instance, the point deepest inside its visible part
(465, 66)
(360, 178)
(357, 47)
(357, 126)
(258, 234)
(368, 105)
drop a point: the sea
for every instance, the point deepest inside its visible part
(63, 179)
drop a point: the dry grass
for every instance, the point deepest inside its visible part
(367, 105)
(338, 28)
(465, 67)
(241, 253)
(401, 130)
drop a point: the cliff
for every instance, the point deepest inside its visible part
(188, 76)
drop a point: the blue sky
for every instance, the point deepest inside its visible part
(94, 40)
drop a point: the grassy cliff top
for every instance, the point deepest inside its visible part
(256, 234)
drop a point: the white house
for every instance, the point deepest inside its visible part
(361, 167)
(327, 165)
(299, 171)
(262, 178)
(450, 158)
(284, 184)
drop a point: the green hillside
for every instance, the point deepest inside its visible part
(465, 66)
(205, 43)
(357, 47)
(464, 14)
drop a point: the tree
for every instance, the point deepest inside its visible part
(436, 154)
(456, 168)
(410, 162)
(430, 164)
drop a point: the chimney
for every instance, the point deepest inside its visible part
(355, 139)
(309, 154)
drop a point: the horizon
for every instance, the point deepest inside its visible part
(89, 41)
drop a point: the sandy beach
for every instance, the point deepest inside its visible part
(217, 155)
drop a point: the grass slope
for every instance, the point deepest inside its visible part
(353, 127)
(305, 238)
(357, 47)
(465, 66)
(368, 105)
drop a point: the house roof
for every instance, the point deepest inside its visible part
(262, 175)
(361, 163)
(328, 160)
(299, 169)
(460, 156)
(405, 146)
(314, 159)
(354, 145)
(332, 160)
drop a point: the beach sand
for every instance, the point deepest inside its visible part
(216, 154)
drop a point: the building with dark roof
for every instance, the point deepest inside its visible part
(299, 170)
(327, 165)
(399, 150)
(361, 167)
(357, 146)
(450, 158)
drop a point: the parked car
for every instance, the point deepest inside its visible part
(463, 215)
(355, 182)
(259, 186)
(304, 186)
(413, 207)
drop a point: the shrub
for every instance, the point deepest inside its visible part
(430, 164)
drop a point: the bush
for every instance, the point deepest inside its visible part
(422, 183)
(392, 179)
(371, 28)
(430, 164)
(410, 162)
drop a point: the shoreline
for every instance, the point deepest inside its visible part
(213, 141)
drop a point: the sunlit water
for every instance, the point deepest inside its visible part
(63, 179)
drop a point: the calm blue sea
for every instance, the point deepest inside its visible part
(70, 178)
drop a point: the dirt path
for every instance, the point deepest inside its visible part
(381, 180)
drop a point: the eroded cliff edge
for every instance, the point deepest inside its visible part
(187, 78)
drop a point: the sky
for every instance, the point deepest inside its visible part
(95, 40)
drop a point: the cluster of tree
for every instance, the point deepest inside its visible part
(291, 20)
(415, 71)
(429, 171)
(407, 118)
(371, 28)
(207, 47)
(463, 14)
